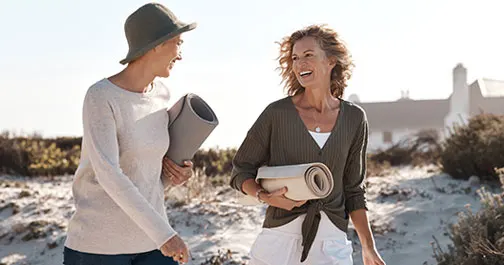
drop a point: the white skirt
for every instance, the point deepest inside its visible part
(282, 245)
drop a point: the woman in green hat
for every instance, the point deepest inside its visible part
(118, 189)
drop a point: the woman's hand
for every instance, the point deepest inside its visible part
(176, 174)
(176, 249)
(371, 257)
(277, 199)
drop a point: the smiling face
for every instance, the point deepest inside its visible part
(165, 55)
(310, 64)
(321, 55)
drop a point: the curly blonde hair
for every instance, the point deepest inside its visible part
(331, 44)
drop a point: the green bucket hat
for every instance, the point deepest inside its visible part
(149, 26)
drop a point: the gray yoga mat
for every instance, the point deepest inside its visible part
(304, 181)
(191, 122)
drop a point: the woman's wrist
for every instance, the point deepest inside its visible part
(253, 189)
(368, 245)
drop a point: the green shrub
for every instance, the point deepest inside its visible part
(475, 149)
(422, 148)
(13, 159)
(37, 156)
(478, 239)
(34, 156)
(214, 162)
(46, 159)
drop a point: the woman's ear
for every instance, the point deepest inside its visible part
(333, 61)
(157, 47)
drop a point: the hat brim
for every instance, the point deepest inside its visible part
(137, 54)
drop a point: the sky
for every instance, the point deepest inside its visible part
(52, 51)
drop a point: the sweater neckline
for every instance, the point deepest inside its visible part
(306, 132)
(131, 93)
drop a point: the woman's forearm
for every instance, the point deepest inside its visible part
(361, 224)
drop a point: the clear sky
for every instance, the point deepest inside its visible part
(52, 51)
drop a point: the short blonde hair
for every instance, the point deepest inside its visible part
(333, 47)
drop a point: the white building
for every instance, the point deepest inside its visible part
(390, 122)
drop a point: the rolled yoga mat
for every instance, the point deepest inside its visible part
(191, 122)
(304, 181)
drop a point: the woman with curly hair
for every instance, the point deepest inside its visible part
(312, 124)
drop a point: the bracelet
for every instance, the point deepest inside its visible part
(257, 195)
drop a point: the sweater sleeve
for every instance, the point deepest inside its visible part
(355, 169)
(165, 181)
(252, 153)
(101, 143)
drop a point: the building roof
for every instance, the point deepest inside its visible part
(423, 114)
(407, 114)
(491, 88)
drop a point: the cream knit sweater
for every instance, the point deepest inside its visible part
(117, 189)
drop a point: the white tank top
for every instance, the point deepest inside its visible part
(320, 138)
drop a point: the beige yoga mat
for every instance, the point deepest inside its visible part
(191, 122)
(303, 181)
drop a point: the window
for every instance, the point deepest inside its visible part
(387, 137)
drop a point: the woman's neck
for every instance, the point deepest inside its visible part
(319, 98)
(135, 77)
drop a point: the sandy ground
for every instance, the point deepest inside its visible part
(407, 208)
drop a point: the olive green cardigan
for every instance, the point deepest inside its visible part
(279, 137)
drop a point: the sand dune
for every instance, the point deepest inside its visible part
(407, 208)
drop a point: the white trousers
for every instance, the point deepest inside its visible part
(282, 245)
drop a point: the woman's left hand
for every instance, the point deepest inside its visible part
(177, 174)
(371, 257)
